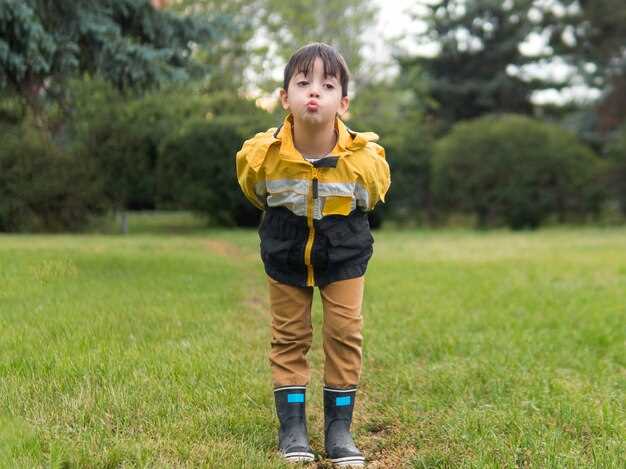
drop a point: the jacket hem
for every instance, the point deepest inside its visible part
(344, 273)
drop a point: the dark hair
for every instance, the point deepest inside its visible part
(303, 59)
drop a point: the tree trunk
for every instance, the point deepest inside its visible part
(124, 221)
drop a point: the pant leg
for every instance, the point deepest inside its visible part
(343, 322)
(292, 333)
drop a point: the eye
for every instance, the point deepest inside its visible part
(302, 83)
(330, 87)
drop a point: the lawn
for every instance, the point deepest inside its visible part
(481, 349)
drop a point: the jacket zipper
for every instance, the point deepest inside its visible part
(310, 278)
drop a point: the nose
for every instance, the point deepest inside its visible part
(314, 91)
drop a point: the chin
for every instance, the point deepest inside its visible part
(315, 117)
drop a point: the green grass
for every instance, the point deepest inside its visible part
(492, 349)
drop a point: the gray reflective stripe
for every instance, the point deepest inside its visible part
(362, 196)
(301, 186)
(293, 194)
(336, 188)
(295, 202)
(290, 193)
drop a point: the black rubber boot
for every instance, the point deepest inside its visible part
(338, 442)
(293, 439)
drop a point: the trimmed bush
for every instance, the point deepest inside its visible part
(124, 134)
(515, 170)
(394, 112)
(409, 156)
(42, 188)
(196, 169)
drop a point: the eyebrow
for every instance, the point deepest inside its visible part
(327, 77)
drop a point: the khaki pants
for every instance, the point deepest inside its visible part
(292, 332)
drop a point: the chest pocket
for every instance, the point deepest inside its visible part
(337, 198)
(337, 205)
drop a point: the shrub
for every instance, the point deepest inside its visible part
(394, 111)
(124, 134)
(409, 156)
(196, 169)
(43, 188)
(515, 170)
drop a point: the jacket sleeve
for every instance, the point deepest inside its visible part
(249, 174)
(380, 178)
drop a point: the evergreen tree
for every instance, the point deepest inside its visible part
(128, 42)
(591, 35)
(474, 72)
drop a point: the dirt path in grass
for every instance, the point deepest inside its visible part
(224, 248)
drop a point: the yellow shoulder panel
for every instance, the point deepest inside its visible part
(378, 173)
(255, 149)
(249, 161)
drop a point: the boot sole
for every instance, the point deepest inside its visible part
(298, 457)
(354, 461)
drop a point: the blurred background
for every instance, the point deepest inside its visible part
(492, 113)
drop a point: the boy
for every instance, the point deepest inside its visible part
(316, 180)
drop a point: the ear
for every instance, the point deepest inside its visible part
(344, 105)
(284, 99)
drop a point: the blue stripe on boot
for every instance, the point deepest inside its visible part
(344, 400)
(295, 398)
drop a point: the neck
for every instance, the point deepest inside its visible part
(316, 139)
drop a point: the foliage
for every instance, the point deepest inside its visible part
(128, 42)
(123, 135)
(409, 158)
(43, 188)
(196, 167)
(232, 50)
(12, 110)
(395, 113)
(474, 72)
(590, 35)
(512, 169)
(243, 113)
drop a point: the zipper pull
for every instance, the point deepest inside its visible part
(315, 187)
(314, 183)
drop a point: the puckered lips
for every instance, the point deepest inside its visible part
(312, 105)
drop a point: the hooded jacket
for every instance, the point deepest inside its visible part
(315, 228)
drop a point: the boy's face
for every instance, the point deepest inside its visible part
(314, 99)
